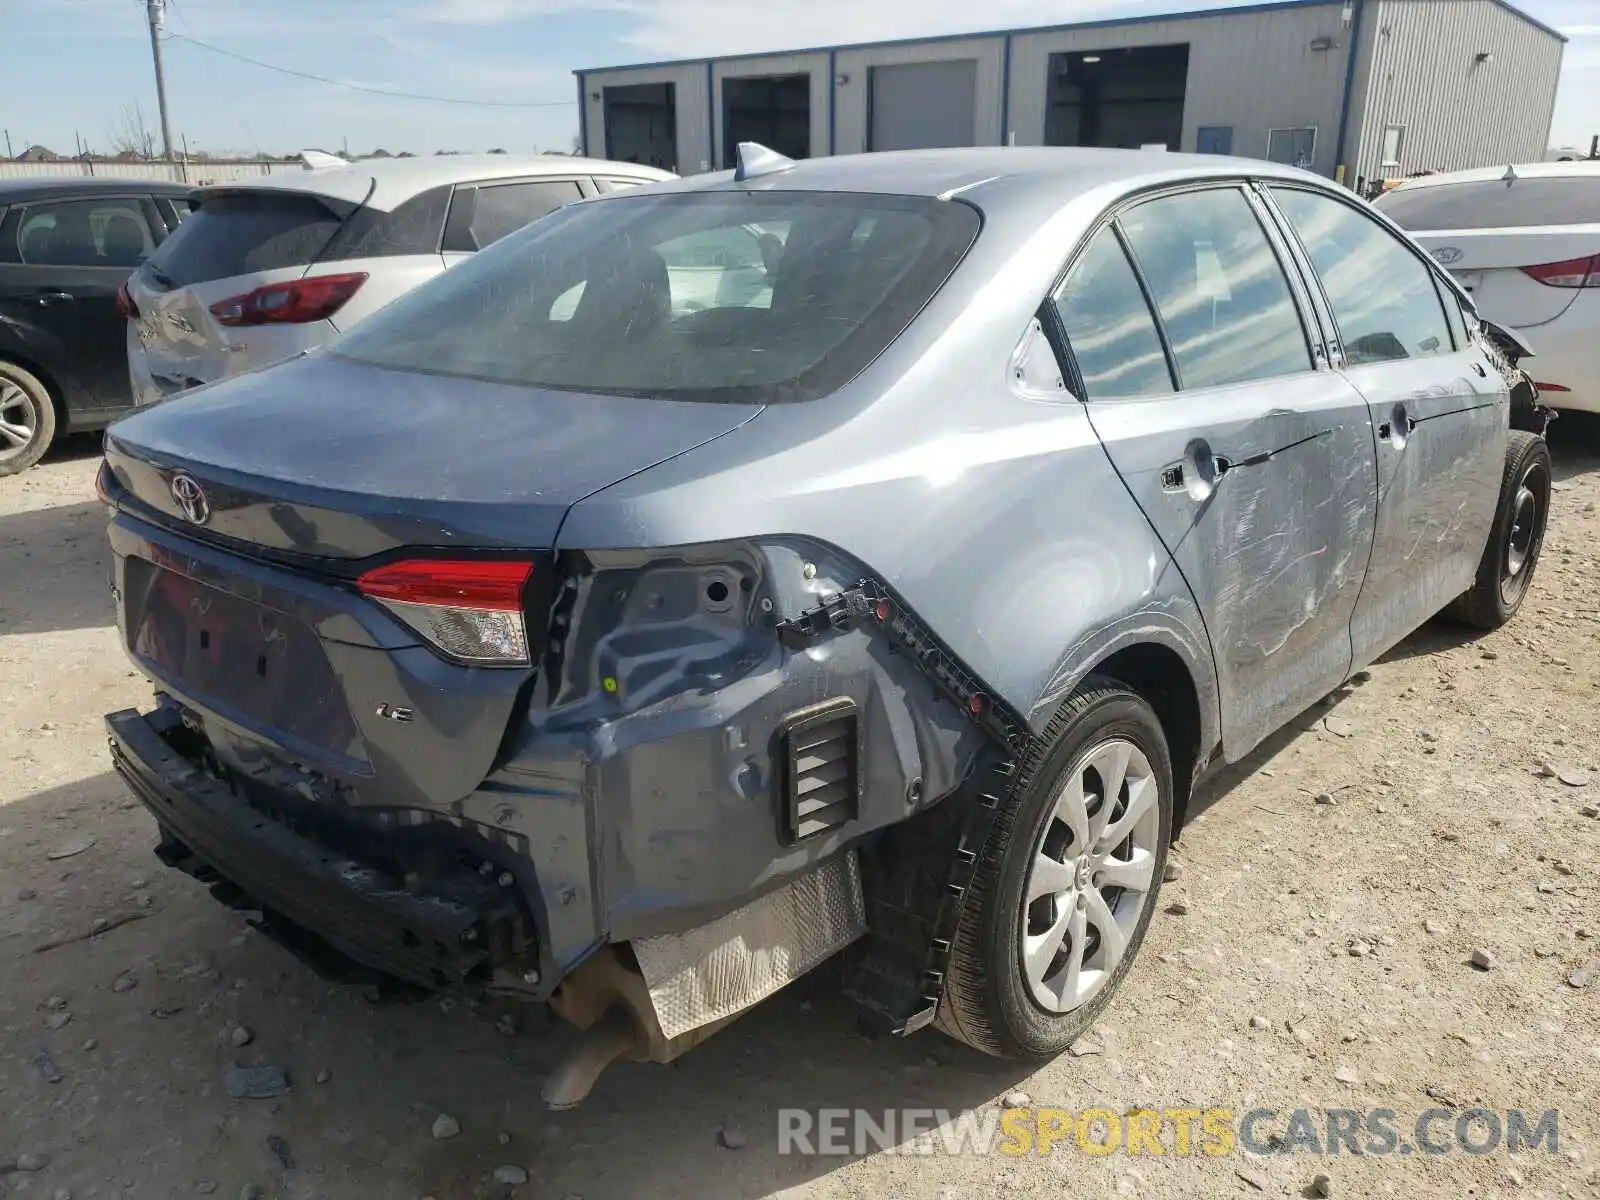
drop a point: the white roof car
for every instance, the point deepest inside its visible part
(264, 269)
(1525, 242)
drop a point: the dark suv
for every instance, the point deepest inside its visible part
(66, 246)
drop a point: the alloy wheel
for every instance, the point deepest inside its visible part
(19, 420)
(1091, 877)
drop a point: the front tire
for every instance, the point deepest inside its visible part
(1067, 882)
(1506, 569)
(27, 420)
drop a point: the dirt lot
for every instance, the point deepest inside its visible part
(1322, 962)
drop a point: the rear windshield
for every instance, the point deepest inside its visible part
(239, 234)
(1494, 204)
(749, 298)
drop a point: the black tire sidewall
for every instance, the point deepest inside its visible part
(45, 427)
(1533, 451)
(1110, 714)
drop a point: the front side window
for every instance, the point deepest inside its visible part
(1108, 325)
(1382, 294)
(1223, 298)
(84, 233)
(742, 297)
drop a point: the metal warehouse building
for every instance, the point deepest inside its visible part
(1350, 88)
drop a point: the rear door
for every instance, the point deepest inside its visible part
(61, 262)
(1251, 458)
(1439, 411)
(483, 213)
(1505, 240)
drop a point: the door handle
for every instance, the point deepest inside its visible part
(1397, 428)
(50, 299)
(1196, 473)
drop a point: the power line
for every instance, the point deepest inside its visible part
(357, 87)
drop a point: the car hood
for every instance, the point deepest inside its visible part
(328, 457)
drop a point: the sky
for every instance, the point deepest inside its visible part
(74, 69)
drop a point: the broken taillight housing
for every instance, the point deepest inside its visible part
(469, 610)
(293, 302)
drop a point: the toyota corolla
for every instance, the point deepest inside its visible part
(583, 630)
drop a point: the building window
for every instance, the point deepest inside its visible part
(1214, 139)
(1294, 147)
(1394, 137)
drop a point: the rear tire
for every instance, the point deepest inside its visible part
(27, 420)
(1515, 539)
(1009, 991)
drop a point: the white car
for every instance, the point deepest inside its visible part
(263, 270)
(1525, 241)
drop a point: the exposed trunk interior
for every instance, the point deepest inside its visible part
(1121, 99)
(774, 110)
(641, 124)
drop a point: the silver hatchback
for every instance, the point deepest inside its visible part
(264, 270)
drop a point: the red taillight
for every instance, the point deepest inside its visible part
(1573, 273)
(293, 302)
(102, 483)
(1551, 387)
(470, 610)
(126, 308)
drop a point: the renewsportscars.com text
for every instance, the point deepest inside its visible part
(1213, 1131)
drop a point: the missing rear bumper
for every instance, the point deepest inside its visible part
(321, 904)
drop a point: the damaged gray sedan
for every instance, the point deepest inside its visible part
(868, 554)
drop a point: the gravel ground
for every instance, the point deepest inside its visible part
(1323, 960)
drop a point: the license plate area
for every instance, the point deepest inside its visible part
(255, 661)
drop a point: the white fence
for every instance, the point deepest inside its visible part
(177, 172)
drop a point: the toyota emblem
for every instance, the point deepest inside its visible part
(190, 497)
(1447, 256)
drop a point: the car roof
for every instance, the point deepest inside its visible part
(392, 181)
(17, 190)
(985, 174)
(1577, 168)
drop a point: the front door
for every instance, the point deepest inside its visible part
(61, 262)
(1250, 458)
(1440, 445)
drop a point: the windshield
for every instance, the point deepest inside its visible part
(1494, 204)
(731, 296)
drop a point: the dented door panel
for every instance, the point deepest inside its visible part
(1440, 445)
(1275, 550)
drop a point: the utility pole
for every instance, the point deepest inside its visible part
(156, 11)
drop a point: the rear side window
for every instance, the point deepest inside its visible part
(1109, 326)
(1382, 294)
(502, 208)
(414, 227)
(1494, 204)
(240, 234)
(748, 298)
(84, 233)
(1223, 298)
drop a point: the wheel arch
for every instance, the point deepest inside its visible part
(1170, 667)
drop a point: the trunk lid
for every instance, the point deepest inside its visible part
(1489, 262)
(335, 459)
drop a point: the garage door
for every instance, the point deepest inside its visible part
(917, 105)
